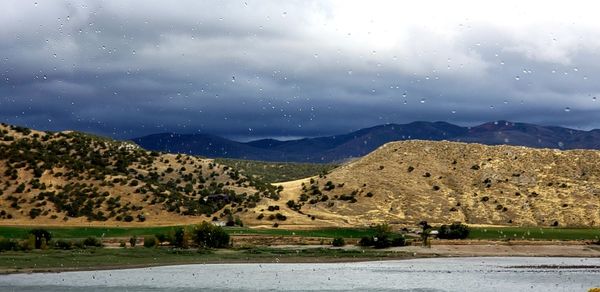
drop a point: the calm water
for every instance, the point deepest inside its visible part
(456, 274)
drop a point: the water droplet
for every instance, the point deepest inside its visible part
(45, 77)
(35, 4)
(133, 52)
(517, 78)
(284, 14)
(349, 72)
(567, 109)
(232, 78)
(594, 98)
(404, 95)
(422, 100)
(575, 69)
(453, 111)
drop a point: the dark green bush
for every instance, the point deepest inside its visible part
(8, 244)
(454, 231)
(209, 235)
(40, 235)
(92, 242)
(63, 244)
(150, 241)
(338, 241)
(366, 241)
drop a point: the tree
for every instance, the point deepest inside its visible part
(383, 236)
(425, 233)
(180, 238)
(338, 241)
(150, 241)
(40, 235)
(133, 241)
(454, 231)
(209, 235)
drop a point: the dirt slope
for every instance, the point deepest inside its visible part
(442, 182)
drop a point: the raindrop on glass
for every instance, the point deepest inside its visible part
(517, 78)
(567, 109)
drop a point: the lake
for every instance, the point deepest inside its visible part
(435, 274)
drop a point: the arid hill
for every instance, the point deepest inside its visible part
(71, 178)
(442, 182)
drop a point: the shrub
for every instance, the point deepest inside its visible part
(150, 241)
(161, 237)
(34, 213)
(454, 231)
(40, 235)
(180, 238)
(63, 244)
(8, 244)
(122, 243)
(399, 240)
(92, 241)
(209, 235)
(338, 241)
(133, 241)
(366, 241)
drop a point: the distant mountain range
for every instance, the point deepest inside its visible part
(356, 144)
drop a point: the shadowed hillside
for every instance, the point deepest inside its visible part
(359, 143)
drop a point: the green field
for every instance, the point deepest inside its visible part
(534, 233)
(490, 233)
(83, 232)
(272, 172)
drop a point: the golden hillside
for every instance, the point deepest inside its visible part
(442, 182)
(74, 178)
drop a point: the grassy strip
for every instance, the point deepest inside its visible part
(105, 258)
(328, 232)
(489, 233)
(534, 233)
(16, 232)
(273, 172)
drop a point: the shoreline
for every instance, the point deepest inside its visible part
(307, 254)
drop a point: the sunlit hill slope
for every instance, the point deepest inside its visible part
(441, 182)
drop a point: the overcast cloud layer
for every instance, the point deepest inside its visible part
(295, 68)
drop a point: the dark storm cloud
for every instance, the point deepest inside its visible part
(284, 68)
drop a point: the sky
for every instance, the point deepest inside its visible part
(286, 69)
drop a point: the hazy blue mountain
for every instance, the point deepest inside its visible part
(358, 143)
